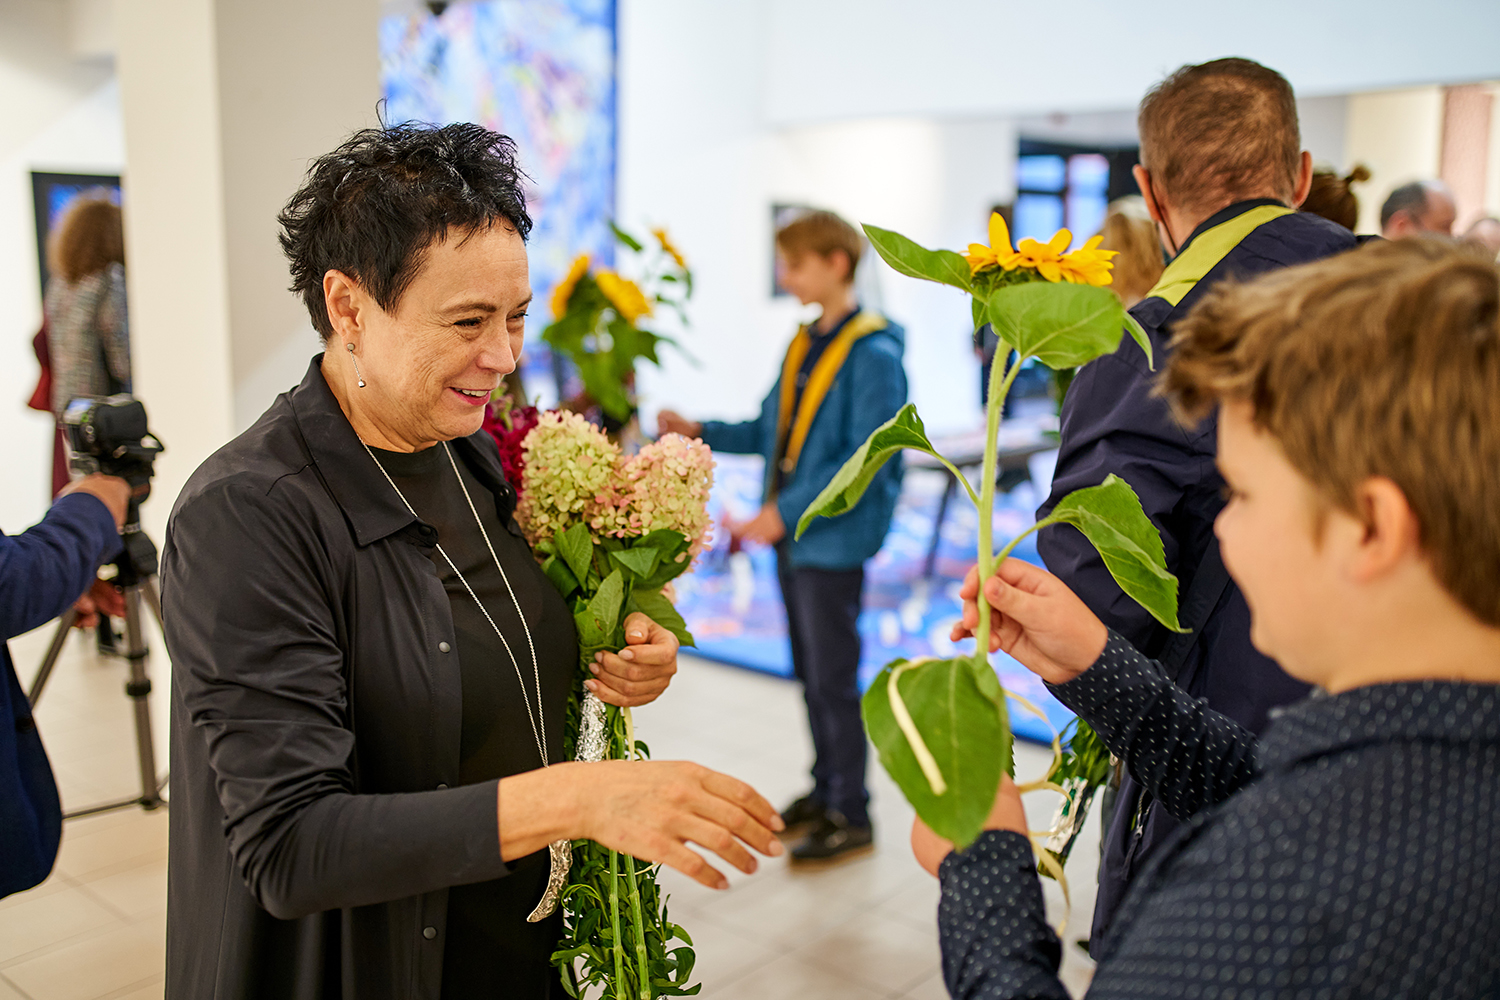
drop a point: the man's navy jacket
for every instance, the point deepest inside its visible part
(42, 571)
(1112, 423)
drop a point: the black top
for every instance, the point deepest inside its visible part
(319, 810)
(1351, 852)
(492, 952)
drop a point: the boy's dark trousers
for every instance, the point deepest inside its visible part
(822, 613)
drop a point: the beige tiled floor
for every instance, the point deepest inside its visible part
(857, 931)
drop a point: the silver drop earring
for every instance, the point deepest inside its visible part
(355, 361)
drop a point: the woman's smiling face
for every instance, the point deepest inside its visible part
(430, 365)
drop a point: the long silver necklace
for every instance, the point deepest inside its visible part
(537, 719)
(559, 852)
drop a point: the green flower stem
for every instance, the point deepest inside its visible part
(644, 983)
(643, 970)
(999, 389)
(614, 921)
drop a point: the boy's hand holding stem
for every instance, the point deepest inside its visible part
(1035, 618)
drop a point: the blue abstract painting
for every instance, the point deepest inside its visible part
(543, 73)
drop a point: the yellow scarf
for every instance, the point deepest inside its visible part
(818, 384)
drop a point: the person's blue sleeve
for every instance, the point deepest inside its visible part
(50, 565)
(992, 925)
(878, 383)
(1188, 756)
(1113, 423)
(749, 437)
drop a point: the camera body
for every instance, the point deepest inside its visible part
(110, 435)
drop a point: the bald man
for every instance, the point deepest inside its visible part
(1421, 208)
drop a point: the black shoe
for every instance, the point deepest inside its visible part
(834, 838)
(802, 816)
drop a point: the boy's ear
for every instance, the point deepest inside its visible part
(837, 255)
(1391, 532)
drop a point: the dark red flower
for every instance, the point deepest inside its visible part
(509, 424)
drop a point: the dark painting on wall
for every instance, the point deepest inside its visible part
(781, 214)
(50, 195)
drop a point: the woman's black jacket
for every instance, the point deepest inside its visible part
(315, 721)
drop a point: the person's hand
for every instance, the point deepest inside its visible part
(114, 491)
(765, 528)
(672, 422)
(1006, 814)
(644, 808)
(640, 672)
(102, 598)
(1038, 620)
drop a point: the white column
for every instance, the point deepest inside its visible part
(225, 102)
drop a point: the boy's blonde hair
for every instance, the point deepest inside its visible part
(1383, 361)
(821, 233)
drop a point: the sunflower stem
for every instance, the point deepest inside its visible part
(999, 388)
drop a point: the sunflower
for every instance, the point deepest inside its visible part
(998, 254)
(624, 294)
(1088, 265)
(669, 247)
(564, 290)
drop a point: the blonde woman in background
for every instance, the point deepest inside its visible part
(1128, 229)
(88, 339)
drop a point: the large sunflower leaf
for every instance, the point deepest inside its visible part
(844, 490)
(1111, 517)
(1062, 325)
(915, 260)
(965, 730)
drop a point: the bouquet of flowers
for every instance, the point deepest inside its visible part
(942, 727)
(611, 532)
(598, 314)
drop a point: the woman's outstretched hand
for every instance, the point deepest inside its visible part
(648, 809)
(1037, 619)
(639, 673)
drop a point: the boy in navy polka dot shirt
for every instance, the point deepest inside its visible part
(1354, 849)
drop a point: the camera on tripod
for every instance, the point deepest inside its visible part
(110, 435)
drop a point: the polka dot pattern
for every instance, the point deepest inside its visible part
(1353, 853)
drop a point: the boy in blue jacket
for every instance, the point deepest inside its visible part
(840, 380)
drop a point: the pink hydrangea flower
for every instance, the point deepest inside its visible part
(570, 465)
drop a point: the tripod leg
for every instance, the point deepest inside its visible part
(50, 660)
(152, 594)
(138, 688)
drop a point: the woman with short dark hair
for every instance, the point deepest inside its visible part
(370, 671)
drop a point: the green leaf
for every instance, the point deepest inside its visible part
(576, 547)
(597, 622)
(966, 731)
(1060, 324)
(654, 605)
(640, 560)
(1138, 333)
(561, 576)
(1111, 517)
(625, 237)
(904, 430)
(915, 260)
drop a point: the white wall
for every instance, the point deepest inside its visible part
(224, 103)
(696, 155)
(62, 114)
(848, 58)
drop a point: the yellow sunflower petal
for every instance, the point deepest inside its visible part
(1060, 241)
(999, 233)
